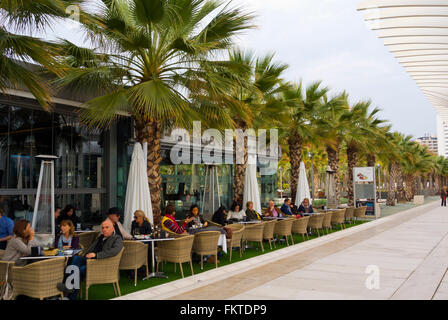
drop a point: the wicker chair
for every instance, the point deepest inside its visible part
(135, 255)
(254, 233)
(299, 226)
(338, 218)
(211, 223)
(349, 213)
(2, 252)
(176, 251)
(326, 223)
(101, 271)
(268, 232)
(283, 228)
(3, 266)
(206, 243)
(235, 226)
(235, 241)
(39, 279)
(316, 221)
(86, 239)
(360, 212)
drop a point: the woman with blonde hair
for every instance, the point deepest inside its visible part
(67, 239)
(141, 224)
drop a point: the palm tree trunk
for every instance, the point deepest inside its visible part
(333, 162)
(410, 185)
(240, 169)
(295, 156)
(400, 188)
(393, 175)
(352, 159)
(316, 179)
(371, 159)
(151, 132)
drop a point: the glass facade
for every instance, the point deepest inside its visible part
(27, 132)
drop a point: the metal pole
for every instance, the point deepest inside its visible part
(36, 203)
(312, 177)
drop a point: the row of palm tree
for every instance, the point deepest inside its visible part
(167, 63)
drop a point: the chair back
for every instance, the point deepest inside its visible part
(235, 226)
(360, 212)
(175, 251)
(103, 270)
(86, 238)
(39, 279)
(134, 256)
(338, 216)
(326, 223)
(2, 252)
(237, 236)
(206, 242)
(254, 232)
(299, 225)
(3, 267)
(211, 223)
(283, 227)
(268, 230)
(349, 213)
(316, 221)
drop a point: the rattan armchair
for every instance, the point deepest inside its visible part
(268, 232)
(235, 226)
(235, 241)
(2, 252)
(211, 223)
(135, 255)
(254, 233)
(176, 251)
(360, 212)
(326, 223)
(86, 239)
(206, 243)
(3, 267)
(283, 229)
(316, 221)
(349, 213)
(39, 279)
(299, 226)
(338, 218)
(102, 271)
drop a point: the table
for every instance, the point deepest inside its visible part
(154, 274)
(249, 222)
(84, 231)
(75, 252)
(222, 242)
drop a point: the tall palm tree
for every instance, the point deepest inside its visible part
(302, 106)
(152, 56)
(363, 131)
(253, 102)
(331, 122)
(18, 45)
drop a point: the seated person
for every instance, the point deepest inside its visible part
(286, 207)
(114, 216)
(6, 227)
(251, 214)
(107, 245)
(220, 216)
(69, 214)
(21, 243)
(169, 223)
(141, 224)
(272, 211)
(306, 208)
(236, 213)
(57, 214)
(66, 239)
(198, 221)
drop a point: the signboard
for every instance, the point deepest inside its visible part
(366, 174)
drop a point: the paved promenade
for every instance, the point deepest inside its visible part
(404, 256)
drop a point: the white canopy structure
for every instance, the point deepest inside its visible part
(138, 196)
(303, 188)
(416, 32)
(251, 191)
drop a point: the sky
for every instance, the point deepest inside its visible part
(328, 40)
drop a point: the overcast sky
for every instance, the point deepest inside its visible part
(328, 40)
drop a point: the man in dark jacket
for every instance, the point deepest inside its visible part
(107, 245)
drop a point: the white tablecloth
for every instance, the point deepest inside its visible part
(222, 242)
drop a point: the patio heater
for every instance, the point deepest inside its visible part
(43, 217)
(210, 200)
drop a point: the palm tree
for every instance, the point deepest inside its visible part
(331, 123)
(152, 57)
(253, 101)
(362, 133)
(302, 108)
(18, 48)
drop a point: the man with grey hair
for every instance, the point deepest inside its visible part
(107, 245)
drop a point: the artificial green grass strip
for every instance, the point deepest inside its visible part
(104, 292)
